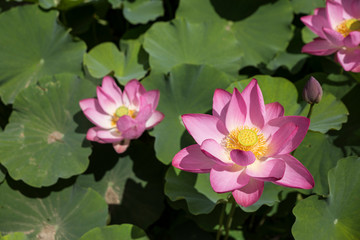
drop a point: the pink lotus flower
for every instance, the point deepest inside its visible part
(338, 28)
(121, 116)
(245, 143)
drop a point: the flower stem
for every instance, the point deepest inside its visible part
(310, 110)
(221, 221)
(229, 219)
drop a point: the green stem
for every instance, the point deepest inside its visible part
(229, 219)
(221, 222)
(310, 110)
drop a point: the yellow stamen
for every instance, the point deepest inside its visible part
(122, 111)
(348, 26)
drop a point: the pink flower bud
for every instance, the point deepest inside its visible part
(312, 92)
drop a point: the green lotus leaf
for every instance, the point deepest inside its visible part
(126, 231)
(306, 6)
(189, 9)
(338, 216)
(264, 33)
(14, 236)
(142, 11)
(63, 215)
(181, 41)
(106, 58)
(293, 62)
(130, 188)
(187, 89)
(43, 140)
(33, 44)
(319, 155)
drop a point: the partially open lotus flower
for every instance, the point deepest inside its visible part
(245, 143)
(121, 116)
(338, 28)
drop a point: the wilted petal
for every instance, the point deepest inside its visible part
(249, 194)
(236, 112)
(227, 178)
(295, 175)
(266, 170)
(202, 127)
(242, 158)
(221, 100)
(215, 151)
(192, 159)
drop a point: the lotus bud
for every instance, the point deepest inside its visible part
(312, 92)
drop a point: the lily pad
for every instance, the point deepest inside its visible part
(106, 58)
(142, 11)
(306, 6)
(126, 231)
(43, 140)
(187, 89)
(338, 216)
(14, 236)
(63, 215)
(33, 44)
(180, 41)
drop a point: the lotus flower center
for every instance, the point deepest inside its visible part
(247, 137)
(348, 26)
(121, 111)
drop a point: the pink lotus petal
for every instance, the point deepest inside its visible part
(192, 159)
(352, 8)
(106, 102)
(132, 91)
(98, 118)
(302, 123)
(295, 175)
(151, 97)
(319, 47)
(236, 112)
(242, 158)
(334, 37)
(109, 136)
(121, 146)
(317, 21)
(144, 114)
(249, 194)
(203, 126)
(255, 105)
(273, 110)
(92, 103)
(92, 136)
(130, 128)
(221, 100)
(109, 86)
(266, 170)
(279, 141)
(227, 178)
(349, 59)
(352, 40)
(215, 151)
(154, 119)
(334, 13)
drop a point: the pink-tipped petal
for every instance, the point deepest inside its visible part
(352, 8)
(249, 194)
(109, 86)
(295, 175)
(155, 119)
(334, 13)
(242, 158)
(109, 136)
(98, 118)
(192, 159)
(349, 59)
(352, 40)
(203, 126)
(92, 136)
(132, 91)
(129, 127)
(319, 47)
(121, 146)
(273, 110)
(151, 97)
(144, 114)
(334, 37)
(227, 178)
(106, 102)
(221, 100)
(317, 22)
(279, 141)
(215, 151)
(91, 103)
(255, 105)
(236, 112)
(302, 124)
(266, 170)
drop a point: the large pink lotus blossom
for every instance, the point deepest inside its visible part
(338, 28)
(121, 116)
(245, 143)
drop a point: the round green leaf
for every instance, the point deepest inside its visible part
(67, 214)
(319, 155)
(43, 141)
(14, 236)
(187, 89)
(106, 58)
(142, 11)
(189, 9)
(32, 45)
(306, 6)
(338, 216)
(180, 41)
(265, 32)
(123, 232)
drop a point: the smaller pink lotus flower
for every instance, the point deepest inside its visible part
(338, 28)
(121, 116)
(245, 143)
